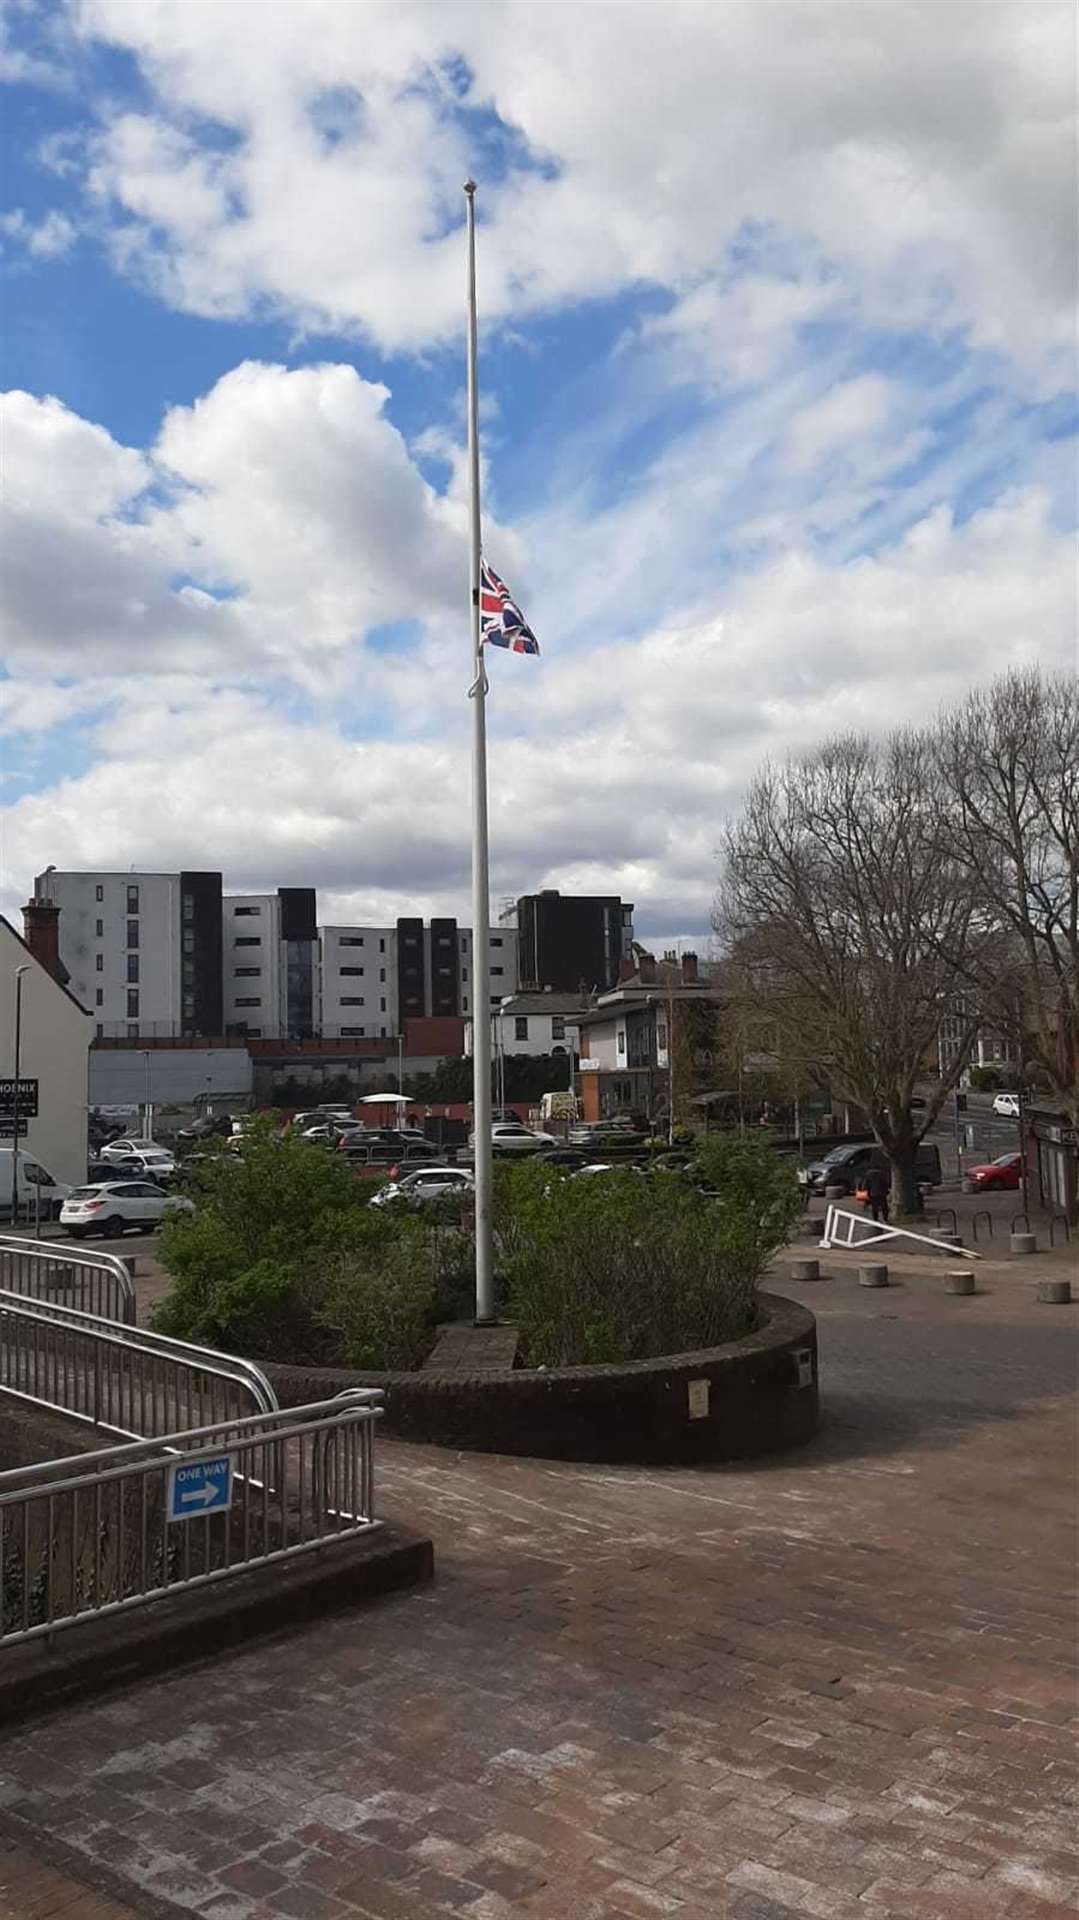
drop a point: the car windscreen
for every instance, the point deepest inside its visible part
(86, 1193)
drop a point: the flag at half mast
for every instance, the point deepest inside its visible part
(502, 624)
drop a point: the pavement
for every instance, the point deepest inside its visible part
(839, 1682)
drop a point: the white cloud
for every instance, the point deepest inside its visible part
(929, 149)
(46, 239)
(851, 412)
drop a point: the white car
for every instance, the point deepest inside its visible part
(1008, 1105)
(140, 1156)
(426, 1183)
(111, 1206)
(509, 1136)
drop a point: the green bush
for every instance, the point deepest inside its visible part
(627, 1265)
(284, 1260)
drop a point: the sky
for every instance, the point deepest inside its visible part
(777, 370)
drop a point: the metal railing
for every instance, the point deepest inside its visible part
(845, 1229)
(124, 1379)
(98, 1533)
(98, 1283)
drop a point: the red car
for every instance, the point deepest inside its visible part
(1005, 1172)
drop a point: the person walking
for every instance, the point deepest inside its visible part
(877, 1189)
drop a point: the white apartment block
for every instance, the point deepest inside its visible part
(502, 979)
(121, 941)
(251, 965)
(357, 993)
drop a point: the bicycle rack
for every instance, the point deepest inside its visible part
(954, 1218)
(1058, 1220)
(981, 1213)
(1026, 1223)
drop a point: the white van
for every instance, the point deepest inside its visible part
(36, 1186)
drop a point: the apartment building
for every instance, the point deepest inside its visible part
(572, 942)
(142, 950)
(162, 955)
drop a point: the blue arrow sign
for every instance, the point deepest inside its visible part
(199, 1486)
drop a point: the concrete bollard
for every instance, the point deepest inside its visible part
(1055, 1293)
(805, 1269)
(872, 1276)
(1024, 1243)
(959, 1283)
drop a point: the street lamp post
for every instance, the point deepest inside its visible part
(19, 971)
(149, 1102)
(401, 1065)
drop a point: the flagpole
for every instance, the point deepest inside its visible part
(481, 970)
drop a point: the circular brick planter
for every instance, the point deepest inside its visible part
(748, 1397)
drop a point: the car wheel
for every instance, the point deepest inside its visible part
(75, 1233)
(993, 1186)
(109, 1229)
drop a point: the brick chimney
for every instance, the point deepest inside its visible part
(646, 969)
(689, 968)
(41, 931)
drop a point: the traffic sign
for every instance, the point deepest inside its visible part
(26, 1100)
(7, 1126)
(199, 1486)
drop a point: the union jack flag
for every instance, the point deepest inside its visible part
(502, 624)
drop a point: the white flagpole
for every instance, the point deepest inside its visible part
(481, 971)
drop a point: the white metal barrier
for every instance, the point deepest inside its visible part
(94, 1282)
(840, 1230)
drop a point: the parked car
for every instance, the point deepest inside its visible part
(399, 1137)
(1007, 1104)
(207, 1127)
(425, 1184)
(509, 1136)
(111, 1206)
(847, 1166)
(994, 1175)
(571, 1158)
(606, 1133)
(140, 1156)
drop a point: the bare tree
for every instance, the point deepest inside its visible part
(847, 910)
(1010, 761)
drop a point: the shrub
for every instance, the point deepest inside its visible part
(627, 1266)
(284, 1260)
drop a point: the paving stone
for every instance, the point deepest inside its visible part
(839, 1683)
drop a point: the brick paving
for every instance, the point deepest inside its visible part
(837, 1683)
(32, 1890)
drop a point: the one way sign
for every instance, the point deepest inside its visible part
(200, 1486)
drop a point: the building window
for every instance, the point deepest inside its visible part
(382, 1006)
(100, 928)
(99, 963)
(353, 1033)
(189, 1006)
(621, 1039)
(464, 973)
(249, 912)
(99, 893)
(249, 1003)
(188, 971)
(351, 940)
(445, 970)
(254, 1033)
(132, 899)
(133, 1033)
(249, 940)
(661, 1038)
(558, 1027)
(496, 939)
(189, 940)
(496, 970)
(352, 1000)
(133, 969)
(382, 946)
(382, 973)
(520, 1027)
(188, 907)
(132, 933)
(100, 1030)
(464, 1003)
(351, 973)
(132, 1006)
(247, 973)
(100, 997)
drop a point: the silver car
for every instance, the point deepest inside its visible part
(425, 1184)
(111, 1206)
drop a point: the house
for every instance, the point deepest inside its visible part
(54, 1035)
(647, 1040)
(536, 1023)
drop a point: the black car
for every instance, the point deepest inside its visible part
(569, 1157)
(207, 1127)
(847, 1166)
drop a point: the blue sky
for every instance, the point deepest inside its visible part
(778, 421)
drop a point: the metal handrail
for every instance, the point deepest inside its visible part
(36, 1271)
(101, 1540)
(127, 1380)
